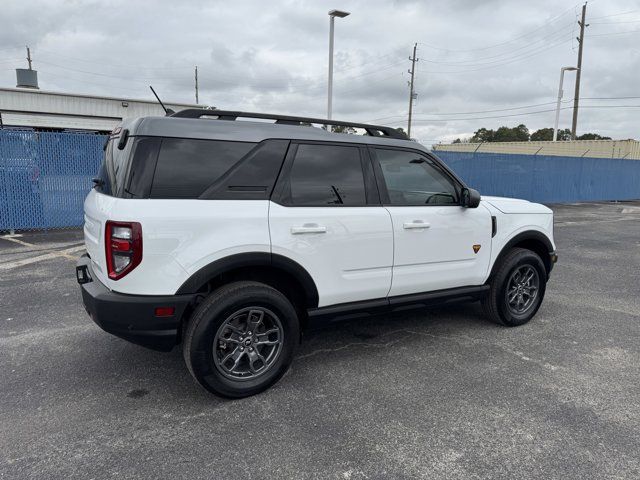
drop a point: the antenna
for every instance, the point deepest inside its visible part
(167, 111)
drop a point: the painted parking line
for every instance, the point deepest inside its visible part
(12, 238)
(66, 253)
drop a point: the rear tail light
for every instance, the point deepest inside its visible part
(123, 245)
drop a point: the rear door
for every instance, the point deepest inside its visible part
(437, 243)
(325, 215)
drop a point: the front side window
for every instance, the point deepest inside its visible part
(326, 175)
(414, 179)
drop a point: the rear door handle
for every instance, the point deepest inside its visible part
(308, 228)
(416, 224)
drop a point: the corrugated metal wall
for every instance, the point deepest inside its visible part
(579, 148)
(545, 178)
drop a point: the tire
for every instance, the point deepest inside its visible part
(253, 362)
(516, 266)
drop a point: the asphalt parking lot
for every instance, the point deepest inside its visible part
(428, 394)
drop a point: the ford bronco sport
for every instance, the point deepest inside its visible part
(228, 236)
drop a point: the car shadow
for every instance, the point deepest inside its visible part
(140, 375)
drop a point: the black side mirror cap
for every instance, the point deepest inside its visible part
(470, 198)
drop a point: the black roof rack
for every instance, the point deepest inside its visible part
(373, 130)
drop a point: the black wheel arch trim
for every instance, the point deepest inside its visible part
(253, 259)
(528, 235)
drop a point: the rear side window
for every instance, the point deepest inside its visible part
(113, 169)
(186, 167)
(326, 175)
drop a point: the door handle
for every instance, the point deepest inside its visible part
(416, 224)
(308, 228)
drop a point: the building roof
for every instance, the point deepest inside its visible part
(44, 109)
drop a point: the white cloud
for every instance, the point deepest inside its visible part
(272, 56)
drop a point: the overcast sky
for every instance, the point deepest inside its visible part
(475, 55)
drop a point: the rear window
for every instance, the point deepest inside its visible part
(186, 167)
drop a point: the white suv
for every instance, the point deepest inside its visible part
(228, 236)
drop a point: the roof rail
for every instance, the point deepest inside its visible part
(373, 130)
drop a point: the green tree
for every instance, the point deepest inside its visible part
(546, 134)
(457, 140)
(592, 136)
(483, 135)
(502, 134)
(343, 129)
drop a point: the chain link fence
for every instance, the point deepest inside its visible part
(45, 176)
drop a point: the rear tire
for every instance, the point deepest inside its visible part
(241, 339)
(517, 288)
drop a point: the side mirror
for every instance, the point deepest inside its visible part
(470, 198)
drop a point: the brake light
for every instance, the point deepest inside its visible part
(123, 245)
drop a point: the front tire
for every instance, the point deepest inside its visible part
(241, 339)
(517, 288)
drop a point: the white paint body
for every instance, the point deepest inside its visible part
(351, 253)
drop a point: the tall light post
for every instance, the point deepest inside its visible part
(332, 15)
(555, 127)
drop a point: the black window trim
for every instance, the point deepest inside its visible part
(282, 188)
(382, 186)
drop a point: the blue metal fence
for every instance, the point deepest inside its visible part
(44, 177)
(547, 179)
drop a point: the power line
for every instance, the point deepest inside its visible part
(613, 33)
(521, 107)
(614, 23)
(549, 22)
(514, 59)
(615, 14)
(502, 56)
(424, 120)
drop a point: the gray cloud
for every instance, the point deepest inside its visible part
(268, 56)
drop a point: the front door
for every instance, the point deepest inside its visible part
(437, 243)
(326, 216)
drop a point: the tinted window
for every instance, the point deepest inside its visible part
(113, 169)
(143, 164)
(414, 179)
(327, 175)
(186, 167)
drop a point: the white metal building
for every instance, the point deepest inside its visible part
(22, 107)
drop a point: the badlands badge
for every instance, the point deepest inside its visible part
(476, 248)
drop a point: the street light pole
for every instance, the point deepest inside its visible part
(555, 127)
(332, 15)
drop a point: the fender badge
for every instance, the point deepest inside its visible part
(476, 248)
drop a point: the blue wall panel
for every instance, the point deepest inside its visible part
(548, 179)
(45, 176)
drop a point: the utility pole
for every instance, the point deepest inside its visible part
(29, 57)
(412, 95)
(197, 102)
(576, 96)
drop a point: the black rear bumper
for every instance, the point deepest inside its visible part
(131, 317)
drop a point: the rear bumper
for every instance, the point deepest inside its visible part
(131, 317)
